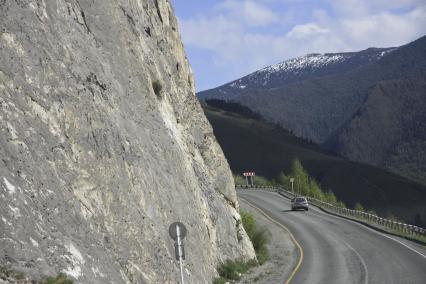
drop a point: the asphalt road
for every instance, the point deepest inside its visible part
(340, 251)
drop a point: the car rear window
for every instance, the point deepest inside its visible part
(300, 199)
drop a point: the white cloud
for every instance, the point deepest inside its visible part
(210, 33)
(251, 13)
(384, 29)
(244, 35)
(354, 7)
(306, 30)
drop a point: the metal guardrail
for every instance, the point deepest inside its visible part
(371, 219)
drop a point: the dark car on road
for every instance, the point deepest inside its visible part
(299, 202)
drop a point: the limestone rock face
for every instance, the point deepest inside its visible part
(103, 145)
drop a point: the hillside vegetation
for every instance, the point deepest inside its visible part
(388, 131)
(251, 145)
(371, 110)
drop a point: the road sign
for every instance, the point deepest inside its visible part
(177, 232)
(292, 180)
(173, 230)
(249, 174)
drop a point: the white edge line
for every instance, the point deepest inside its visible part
(366, 227)
(360, 258)
(398, 241)
(379, 233)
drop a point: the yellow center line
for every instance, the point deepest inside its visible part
(299, 263)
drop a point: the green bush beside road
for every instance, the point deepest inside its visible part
(232, 270)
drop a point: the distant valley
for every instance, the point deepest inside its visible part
(366, 106)
(250, 144)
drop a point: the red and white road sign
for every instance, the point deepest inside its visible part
(249, 174)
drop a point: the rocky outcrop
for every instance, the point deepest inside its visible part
(103, 145)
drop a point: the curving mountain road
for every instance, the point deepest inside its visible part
(340, 251)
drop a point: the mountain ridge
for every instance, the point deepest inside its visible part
(309, 62)
(320, 107)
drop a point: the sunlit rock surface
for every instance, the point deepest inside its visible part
(103, 145)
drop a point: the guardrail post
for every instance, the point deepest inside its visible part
(415, 230)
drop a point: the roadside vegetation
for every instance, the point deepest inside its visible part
(231, 271)
(258, 236)
(60, 279)
(8, 274)
(303, 184)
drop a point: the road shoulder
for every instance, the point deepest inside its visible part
(283, 252)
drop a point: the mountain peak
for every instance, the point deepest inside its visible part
(312, 60)
(332, 99)
(312, 65)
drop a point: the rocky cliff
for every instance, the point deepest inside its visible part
(103, 145)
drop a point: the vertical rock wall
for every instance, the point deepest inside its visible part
(103, 145)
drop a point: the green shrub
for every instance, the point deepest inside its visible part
(8, 272)
(262, 255)
(258, 236)
(315, 190)
(304, 184)
(394, 218)
(330, 197)
(239, 180)
(157, 87)
(301, 178)
(232, 270)
(249, 223)
(60, 279)
(219, 280)
(261, 181)
(259, 239)
(284, 180)
(358, 207)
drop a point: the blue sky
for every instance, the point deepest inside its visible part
(227, 39)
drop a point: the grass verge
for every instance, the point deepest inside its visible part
(10, 275)
(231, 271)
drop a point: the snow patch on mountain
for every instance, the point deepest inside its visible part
(295, 65)
(383, 53)
(304, 62)
(237, 84)
(302, 66)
